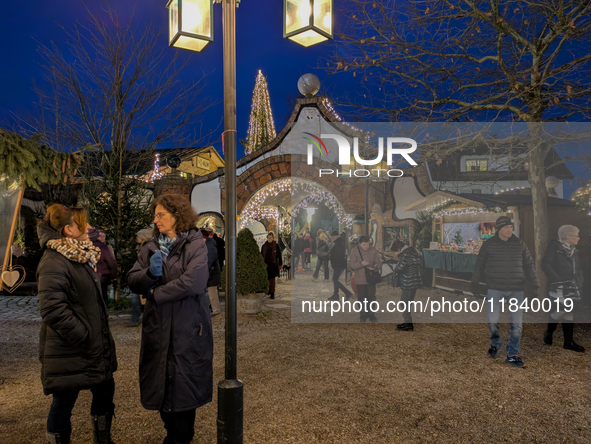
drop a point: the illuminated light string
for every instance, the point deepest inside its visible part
(465, 211)
(582, 197)
(255, 209)
(261, 128)
(504, 190)
(156, 174)
(335, 114)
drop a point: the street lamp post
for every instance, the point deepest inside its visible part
(191, 27)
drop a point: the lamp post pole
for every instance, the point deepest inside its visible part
(230, 390)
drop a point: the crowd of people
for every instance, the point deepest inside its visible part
(176, 275)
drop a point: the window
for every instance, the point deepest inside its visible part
(476, 165)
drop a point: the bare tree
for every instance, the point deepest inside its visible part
(466, 60)
(116, 88)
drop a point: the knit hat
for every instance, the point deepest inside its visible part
(503, 221)
(93, 234)
(334, 233)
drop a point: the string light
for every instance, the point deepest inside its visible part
(155, 174)
(336, 115)
(504, 190)
(261, 128)
(582, 197)
(255, 210)
(465, 211)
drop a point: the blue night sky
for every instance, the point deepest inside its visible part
(260, 45)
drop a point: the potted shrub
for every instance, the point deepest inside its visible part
(251, 274)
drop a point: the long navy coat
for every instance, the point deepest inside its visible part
(176, 354)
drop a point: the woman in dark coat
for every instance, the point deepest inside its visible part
(408, 271)
(272, 256)
(561, 264)
(362, 257)
(76, 348)
(176, 374)
(322, 252)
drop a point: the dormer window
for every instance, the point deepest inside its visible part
(476, 165)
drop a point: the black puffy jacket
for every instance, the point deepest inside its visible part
(76, 348)
(408, 268)
(505, 265)
(558, 266)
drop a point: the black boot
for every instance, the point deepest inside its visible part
(101, 428)
(407, 326)
(272, 295)
(59, 437)
(572, 345)
(548, 337)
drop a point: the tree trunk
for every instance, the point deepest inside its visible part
(537, 181)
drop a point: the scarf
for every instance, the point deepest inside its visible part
(76, 250)
(166, 243)
(568, 249)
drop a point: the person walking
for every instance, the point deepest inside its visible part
(107, 264)
(504, 261)
(338, 261)
(364, 258)
(76, 348)
(175, 371)
(215, 272)
(561, 266)
(272, 256)
(296, 253)
(322, 251)
(221, 247)
(307, 250)
(408, 270)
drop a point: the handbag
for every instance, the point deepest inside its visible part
(371, 276)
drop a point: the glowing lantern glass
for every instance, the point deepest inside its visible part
(190, 23)
(307, 22)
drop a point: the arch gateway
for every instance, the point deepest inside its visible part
(272, 192)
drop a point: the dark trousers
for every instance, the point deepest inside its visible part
(105, 282)
(407, 296)
(567, 329)
(336, 274)
(272, 285)
(58, 419)
(319, 262)
(180, 426)
(366, 291)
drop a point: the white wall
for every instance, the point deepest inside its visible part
(207, 197)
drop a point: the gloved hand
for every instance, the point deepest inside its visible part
(156, 263)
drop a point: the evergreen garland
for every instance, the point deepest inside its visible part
(31, 163)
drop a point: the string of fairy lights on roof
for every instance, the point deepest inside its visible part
(261, 128)
(339, 118)
(465, 211)
(255, 209)
(505, 190)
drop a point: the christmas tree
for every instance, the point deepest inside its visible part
(261, 128)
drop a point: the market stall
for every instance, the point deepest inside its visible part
(462, 222)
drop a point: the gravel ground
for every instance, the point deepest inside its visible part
(339, 383)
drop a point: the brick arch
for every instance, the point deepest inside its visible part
(349, 193)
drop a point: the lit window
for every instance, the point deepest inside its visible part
(476, 165)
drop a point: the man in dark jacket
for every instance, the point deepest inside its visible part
(338, 261)
(220, 244)
(214, 270)
(504, 261)
(409, 271)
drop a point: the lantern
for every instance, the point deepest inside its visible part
(190, 23)
(307, 22)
